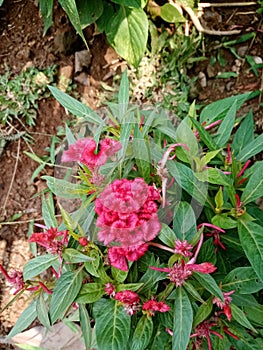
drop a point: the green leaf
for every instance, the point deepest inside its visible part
(118, 275)
(213, 176)
(185, 135)
(204, 135)
(48, 213)
(85, 325)
(42, 311)
(224, 221)
(167, 235)
(207, 282)
(93, 265)
(90, 292)
(141, 154)
(254, 187)
(254, 147)
(123, 95)
(69, 6)
(251, 238)
(131, 3)
(37, 265)
(89, 11)
(24, 320)
(239, 316)
(183, 319)
(244, 134)
(127, 32)
(218, 109)
(67, 219)
(46, 9)
(171, 14)
(74, 256)
(65, 189)
(226, 127)
(112, 325)
(66, 289)
(142, 333)
(203, 312)
(74, 106)
(128, 286)
(185, 177)
(243, 280)
(184, 221)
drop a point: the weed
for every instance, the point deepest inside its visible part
(20, 94)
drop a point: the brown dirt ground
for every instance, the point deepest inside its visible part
(21, 42)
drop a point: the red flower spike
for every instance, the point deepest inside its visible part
(14, 278)
(183, 248)
(83, 241)
(151, 306)
(130, 301)
(110, 289)
(51, 239)
(224, 305)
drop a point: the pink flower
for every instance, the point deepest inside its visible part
(14, 278)
(110, 289)
(127, 213)
(151, 306)
(118, 256)
(49, 239)
(224, 305)
(180, 272)
(130, 301)
(183, 247)
(203, 330)
(84, 151)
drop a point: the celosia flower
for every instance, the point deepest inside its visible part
(180, 272)
(49, 239)
(14, 278)
(84, 151)
(151, 306)
(110, 289)
(118, 256)
(224, 305)
(203, 330)
(183, 248)
(130, 301)
(127, 213)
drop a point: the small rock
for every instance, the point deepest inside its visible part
(229, 85)
(202, 79)
(242, 50)
(65, 76)
(83, 79)
(28, 65)
(211, 71)
(82, 60)
(257, 60)
(23, 54)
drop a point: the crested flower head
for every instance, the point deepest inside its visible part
(84, 151)
(127, 213)
(118, 256)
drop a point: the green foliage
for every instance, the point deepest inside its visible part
(125, 23)
(207, 285)
(19, 94)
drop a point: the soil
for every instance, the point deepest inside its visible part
(22, 44)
